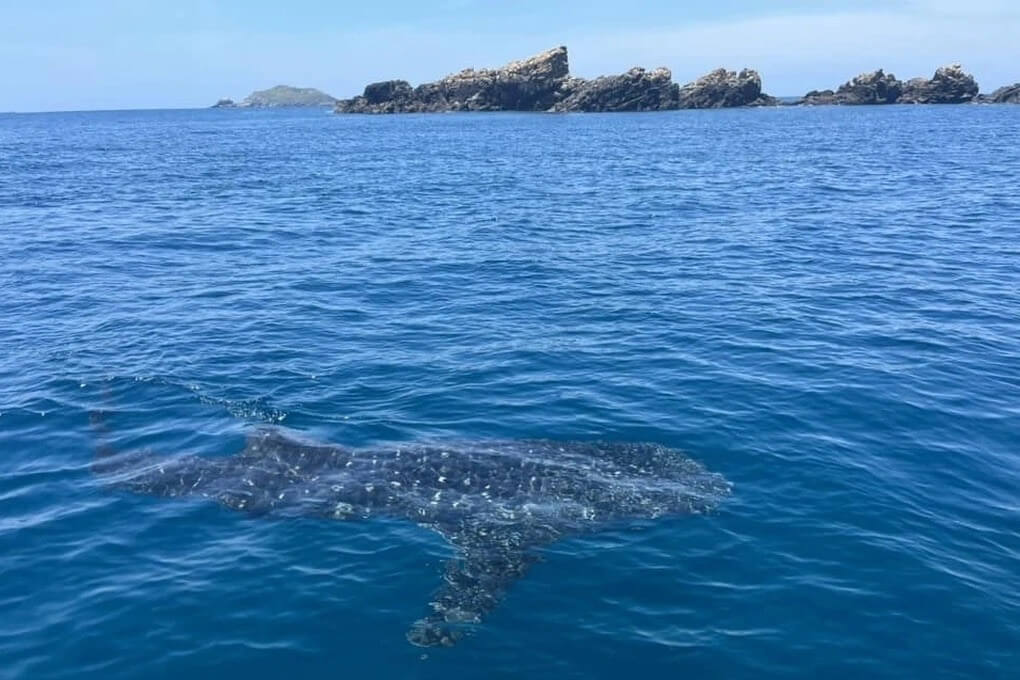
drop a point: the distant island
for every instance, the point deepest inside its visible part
(949, 85)
(544, 83)
(279, 97)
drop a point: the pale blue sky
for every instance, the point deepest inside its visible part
(101, 54)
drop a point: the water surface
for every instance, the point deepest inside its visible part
(821, 304)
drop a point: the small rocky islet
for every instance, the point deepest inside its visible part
(1009, 94)
(544, 83)
(281, 96)
(950, 85)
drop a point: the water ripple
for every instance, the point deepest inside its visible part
(821, 304)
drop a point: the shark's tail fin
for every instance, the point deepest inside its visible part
(142, 471)
(107, 460)
(104, 459)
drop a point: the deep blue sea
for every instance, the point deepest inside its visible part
(823, 305)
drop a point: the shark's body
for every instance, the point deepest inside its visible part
(496, 502)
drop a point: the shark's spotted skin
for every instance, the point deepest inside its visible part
(496, 502)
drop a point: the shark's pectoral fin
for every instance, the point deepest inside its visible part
(474, 583)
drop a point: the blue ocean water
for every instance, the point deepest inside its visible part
(821, 304)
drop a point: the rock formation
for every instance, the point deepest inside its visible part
(724, 89)
(635, 90)
(279, 97)
(950, 85)
(543, 83)
(528, 85)
(1005, 95)
(877, 87)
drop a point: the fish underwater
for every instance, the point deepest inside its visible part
(497, 502)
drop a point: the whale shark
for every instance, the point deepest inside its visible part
(498, 503)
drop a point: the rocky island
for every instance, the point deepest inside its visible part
(949, 85)
(1004, 95)
(544, 83)
(280, 96)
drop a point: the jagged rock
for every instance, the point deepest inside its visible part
(818, 98)
(388, 96)
(388, 90)
(1005, 95)
(767, 100)
(950, 85)
(723, 89)
(286, 96)
(527, 85)
(877, 87)
(533, 84)
(543, 83)
(635, 90)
